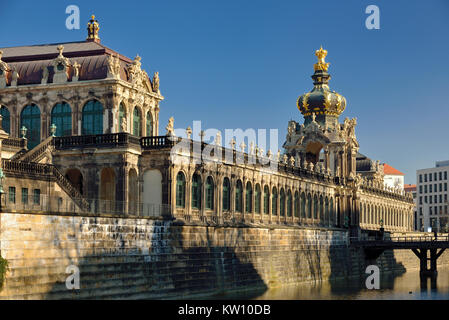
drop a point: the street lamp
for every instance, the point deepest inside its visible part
(53, 130)
(23, 131)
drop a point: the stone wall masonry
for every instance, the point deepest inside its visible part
(131, 258)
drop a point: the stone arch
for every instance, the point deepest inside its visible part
(266, 199)
(180, 189)
(92, 118)
(152, 193)
(76, 178)
(30, 117)
(248, 197)
(226, 194)
(210, 193)
(107, 190)
(238, 196)
(309, 206)
(132, 192)
(315, 206)
(303, 205)
(61, 117)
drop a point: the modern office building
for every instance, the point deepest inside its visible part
(432, 197)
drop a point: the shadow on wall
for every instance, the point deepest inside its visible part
(171, 262)
(352, 265)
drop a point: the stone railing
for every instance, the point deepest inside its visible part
(108, 140)
(70, 189)
(47, 171)
(34, 154)
(157, 142)
(15, 143)
(26, 168)
(395, 193)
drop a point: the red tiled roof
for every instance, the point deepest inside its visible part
(410, 187)
(392, 171)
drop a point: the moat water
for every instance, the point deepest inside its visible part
(406, 286)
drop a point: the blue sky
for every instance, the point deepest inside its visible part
(242, 64)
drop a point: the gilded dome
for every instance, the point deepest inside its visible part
(321, 100)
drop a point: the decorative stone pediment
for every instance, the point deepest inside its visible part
(137, 76)
(61, 67)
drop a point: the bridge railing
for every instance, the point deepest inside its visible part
(403, 239)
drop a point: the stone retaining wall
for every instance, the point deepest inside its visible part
(142, 258)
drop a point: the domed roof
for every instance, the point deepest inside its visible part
(321, 100)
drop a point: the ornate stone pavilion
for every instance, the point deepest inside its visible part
(81, 135)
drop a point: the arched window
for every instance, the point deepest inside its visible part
(315, 207)
(282, 202)
(92, 118)
(266, 200)
(296, 205)
(321, 208)
(149, 124)
(289, 203)
(257, 199)
(121, 116)
(226, 195)
(209, 193)
(6, 119)
(61, 117)
(196, 191)
(303, 205)
(274, 202)
(326, 210)
(31, 119)
(136, 122)
(238, 196)
(309, 206)
(180, 190)
(248, 198)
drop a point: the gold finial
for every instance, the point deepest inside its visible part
(92, 29)
(321, 55)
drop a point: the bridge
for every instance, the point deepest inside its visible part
(426, 248)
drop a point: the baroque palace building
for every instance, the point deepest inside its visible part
(81, 135)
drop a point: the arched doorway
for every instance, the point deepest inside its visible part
(132, 193)
(76, 178)
(152, 193)
(107, 190)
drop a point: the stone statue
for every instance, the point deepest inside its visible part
(44, 75)
(124, 125)
(232, 143)
(76, 71)
(251, 148)
(189, 132)
(242, 146)
(278, 156)
(156, 82)
(218, 139)
(15, 78)
(170, 127)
